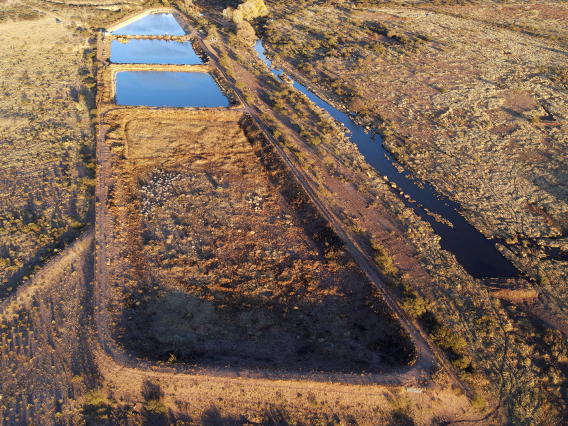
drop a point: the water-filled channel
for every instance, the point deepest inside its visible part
(147, 51)
(473, 251)
(158, 24)
(168, 89)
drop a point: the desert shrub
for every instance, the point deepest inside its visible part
(151, 390)
(96, 404)
(557, 343)
(357, 228)
(315, 140)
(415, 307)
(153, 395)
(246, 11)
(382, 258)
(448, 340)
(245, 34)
(462, 363)
(18, 13)
(478, 402)
(31, 227)
(560, 76)
(400, 411)
(155, 406)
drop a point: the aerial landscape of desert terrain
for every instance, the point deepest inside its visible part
(248, 212)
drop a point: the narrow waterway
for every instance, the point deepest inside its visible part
(473, 251)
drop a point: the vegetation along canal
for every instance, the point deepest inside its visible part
(473, 251)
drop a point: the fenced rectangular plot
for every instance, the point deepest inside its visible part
(168, 89)
(150, 51)
(221, 258)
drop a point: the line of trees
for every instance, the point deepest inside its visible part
(246, 11)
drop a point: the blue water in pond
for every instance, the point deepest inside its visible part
(158, 24)
(147, 51)
(168, 89)
(473, 251)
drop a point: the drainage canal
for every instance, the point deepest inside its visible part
(473, 251)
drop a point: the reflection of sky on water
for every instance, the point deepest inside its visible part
(153, 52)
(155, 24)
(473, 251)
(164, 88)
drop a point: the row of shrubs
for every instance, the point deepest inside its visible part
(420, 309)
(18, 13)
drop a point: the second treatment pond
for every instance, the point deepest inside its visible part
(168, 89)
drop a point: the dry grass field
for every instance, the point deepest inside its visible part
(46, 145)
(219, 261)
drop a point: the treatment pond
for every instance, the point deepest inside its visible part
(158, 24)
(147, 51)
(168, 89)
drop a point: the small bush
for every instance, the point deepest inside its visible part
(462, 363)
(415, 307)
(96, 404)
(448, 340)
(382, 258)
(153, 395)
(155, 406)
(478, 402)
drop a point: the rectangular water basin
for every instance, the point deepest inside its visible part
(148, 51)
(168, 89)
(155, 24)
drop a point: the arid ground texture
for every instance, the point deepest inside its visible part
(247, 265)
